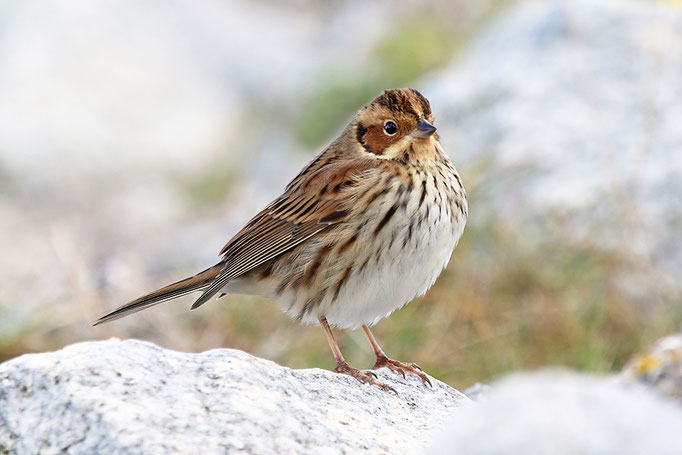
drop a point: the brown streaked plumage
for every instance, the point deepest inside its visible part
(365, 227)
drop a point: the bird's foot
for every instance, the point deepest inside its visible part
(402, 367)
(363, 376)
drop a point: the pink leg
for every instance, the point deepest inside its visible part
(399, 367)
(343, 367)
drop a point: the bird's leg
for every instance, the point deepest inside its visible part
(395, 365)
(343, 367)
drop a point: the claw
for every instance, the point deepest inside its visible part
(401, 368)
(368, 377)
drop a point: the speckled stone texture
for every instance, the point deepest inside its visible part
(132, 397)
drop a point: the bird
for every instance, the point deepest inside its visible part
(368, 225)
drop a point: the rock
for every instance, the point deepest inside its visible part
(660, 368)
(564, 413)
(128, 397)
(477, 392)
(564, 120)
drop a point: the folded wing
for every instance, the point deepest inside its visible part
(309, 206)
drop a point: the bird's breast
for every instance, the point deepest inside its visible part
(404, 242)
(394, 244)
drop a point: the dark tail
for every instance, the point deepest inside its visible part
(195, 283)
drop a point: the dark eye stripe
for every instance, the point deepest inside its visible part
(360, 132)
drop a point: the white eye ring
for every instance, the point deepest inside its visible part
(390, 128)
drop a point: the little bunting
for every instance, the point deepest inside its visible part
(365, 227)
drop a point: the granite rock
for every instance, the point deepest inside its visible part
(132, 397)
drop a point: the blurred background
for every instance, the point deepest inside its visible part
(136, 137)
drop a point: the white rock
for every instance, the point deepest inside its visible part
(132, 397)
(564, 413)
(564, 118)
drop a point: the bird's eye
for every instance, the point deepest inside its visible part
(390, 128)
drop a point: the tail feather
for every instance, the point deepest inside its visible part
(194, 283)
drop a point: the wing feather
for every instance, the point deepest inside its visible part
(306, 208)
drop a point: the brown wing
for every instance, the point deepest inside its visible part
(307, 207)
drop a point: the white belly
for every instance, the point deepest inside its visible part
(401, 273)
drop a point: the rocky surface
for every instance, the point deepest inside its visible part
(564, 413)
(132, 397)
(565, 117)
(660, 367)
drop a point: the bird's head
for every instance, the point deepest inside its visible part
(394, 121)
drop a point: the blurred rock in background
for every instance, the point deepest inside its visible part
(562, 412)
(136, 138)
(571, 111)
(659, 367)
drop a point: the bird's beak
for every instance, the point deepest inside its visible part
(424, 129)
